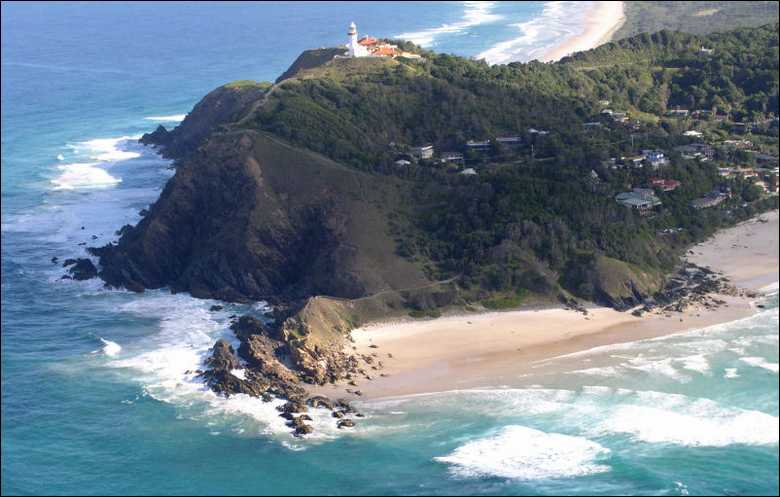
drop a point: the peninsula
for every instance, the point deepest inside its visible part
(378, 181)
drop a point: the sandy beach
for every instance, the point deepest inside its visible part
(499, 348)
(602, 21)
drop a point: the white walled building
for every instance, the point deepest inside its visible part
(354, 48)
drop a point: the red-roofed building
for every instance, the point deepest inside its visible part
(368, 41)
(385, 51)
(666, 185)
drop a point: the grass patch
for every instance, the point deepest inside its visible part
(509, 301)
(425, 313)
(248, 83)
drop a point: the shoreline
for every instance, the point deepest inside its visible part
(501, 348)
(602, 21)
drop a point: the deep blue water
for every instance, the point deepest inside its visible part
(94, 395)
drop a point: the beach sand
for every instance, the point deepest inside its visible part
(500, 348)
(602, 21)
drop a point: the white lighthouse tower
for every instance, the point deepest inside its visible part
(355, 48)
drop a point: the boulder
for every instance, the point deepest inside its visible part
(345, 423)
(319, 401)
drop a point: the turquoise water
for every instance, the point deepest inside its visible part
(94, 393)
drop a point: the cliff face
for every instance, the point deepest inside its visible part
(221, 106)
(248, 217)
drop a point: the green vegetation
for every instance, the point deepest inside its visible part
(248, 83)
(694, 17)
(425, 313)
(539, 216)
(506, 301)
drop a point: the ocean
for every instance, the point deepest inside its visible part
(95, 399)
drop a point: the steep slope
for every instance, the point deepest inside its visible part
(221, 106)
(250, 217)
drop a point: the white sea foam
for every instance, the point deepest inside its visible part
(698, 423)
(475, 13)
(558, 21)
(697, 362)
(60, 157)
(174, 118)
(166, 367)
(730, 373)
(83, 175)
(111, 349)
(107, 149)
(760, 362)
(523, 453)
(663, 367)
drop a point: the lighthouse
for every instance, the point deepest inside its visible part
(355, 48)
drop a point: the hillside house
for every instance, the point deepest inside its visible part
(642, 200)
(667, 185)
(423, 152)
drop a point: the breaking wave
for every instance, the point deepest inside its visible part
(523, 453)
(83, 175)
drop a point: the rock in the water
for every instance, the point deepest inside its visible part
(345, 423)
(216, 307)
(292, 406)
(81, 269)
(302, 429)
(219, 376)
(159, 136)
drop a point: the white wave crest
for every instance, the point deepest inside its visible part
(111, 349)
(173, 118)
(760, 362)
(523, 453)
(83, 175)
(107, 149)
(676, 419)
(475, 13)
(558, 21)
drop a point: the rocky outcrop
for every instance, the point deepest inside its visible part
(272, 364)
(317, 335)
(80, 269)
(160, 137)
(220, 377)
(611, 282)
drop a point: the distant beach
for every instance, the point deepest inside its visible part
(498, 348)
(561, 28)
(602, 20)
